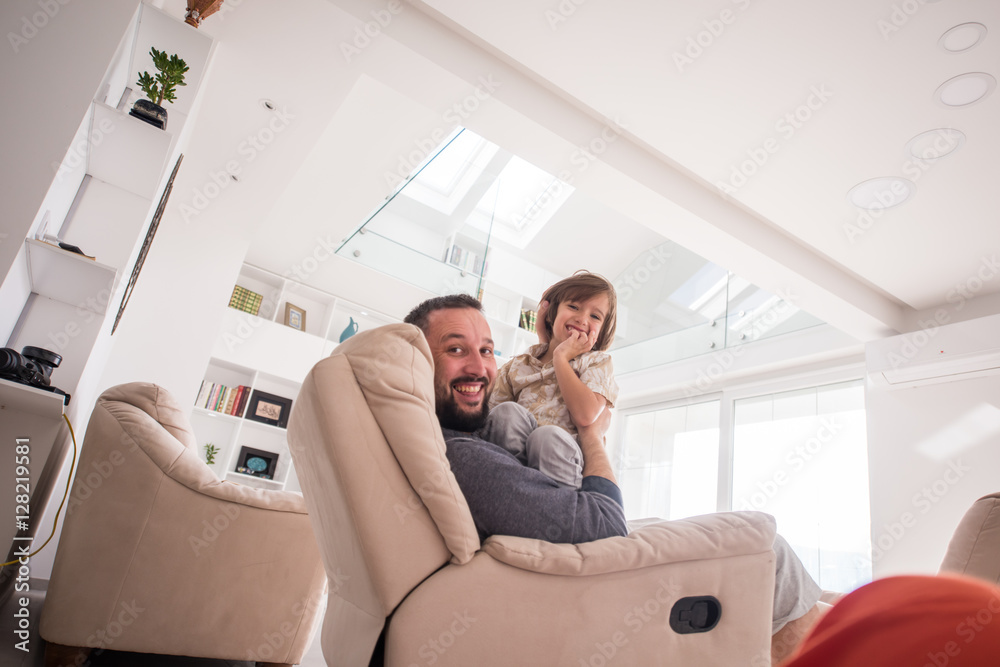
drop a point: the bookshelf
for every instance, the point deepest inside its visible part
(261, 352)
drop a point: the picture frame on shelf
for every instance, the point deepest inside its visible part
(256, 462)
(295, 317)
(268, 409)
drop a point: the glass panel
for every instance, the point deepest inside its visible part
(435, 231)
(673, 304)
(802, 457)
(669, 461)
(473, 201)
(755, 314)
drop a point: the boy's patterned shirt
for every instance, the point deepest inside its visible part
(526, 380)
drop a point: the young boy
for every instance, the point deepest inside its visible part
(564, 381)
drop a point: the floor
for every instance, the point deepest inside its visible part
(10, 656)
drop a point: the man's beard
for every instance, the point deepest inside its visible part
(452, 417)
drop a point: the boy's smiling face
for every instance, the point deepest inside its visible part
(585, 316)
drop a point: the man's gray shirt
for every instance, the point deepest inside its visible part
(508, 498)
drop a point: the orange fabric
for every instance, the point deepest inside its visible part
(910, 621)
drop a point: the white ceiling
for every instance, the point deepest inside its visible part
(706, 113)
(685, 130)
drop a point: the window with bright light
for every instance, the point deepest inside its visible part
(669, 462)
(802, 456)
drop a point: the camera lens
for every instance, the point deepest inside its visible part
(42, 356)
(10, 361)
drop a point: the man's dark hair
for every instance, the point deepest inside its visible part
(419, 316)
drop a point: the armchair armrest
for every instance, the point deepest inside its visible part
(652, 543)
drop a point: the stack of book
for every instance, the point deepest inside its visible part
(245, 300)
(465, 259)
(220, 398)
(528, 318)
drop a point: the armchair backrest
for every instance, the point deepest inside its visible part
(368, 451)
(974, 549)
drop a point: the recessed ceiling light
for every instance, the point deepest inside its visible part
(965, 89)
(881, 193)
(935, 144)
(268, 104)
(962, 37)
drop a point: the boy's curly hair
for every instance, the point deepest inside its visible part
(581, 286)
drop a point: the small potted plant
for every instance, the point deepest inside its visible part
(210, 452)
(170, 74)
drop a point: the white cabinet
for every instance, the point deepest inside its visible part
(270, 358)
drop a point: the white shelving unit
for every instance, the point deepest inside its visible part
(262, 353)
(503, 308)
(102, 200)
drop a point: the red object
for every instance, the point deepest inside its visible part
(908, 621)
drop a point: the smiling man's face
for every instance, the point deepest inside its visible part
(464, 367)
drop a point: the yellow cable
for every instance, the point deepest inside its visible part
(65, 495)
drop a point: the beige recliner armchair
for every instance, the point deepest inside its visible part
(974, 549)
(158, 556)
(406, 566)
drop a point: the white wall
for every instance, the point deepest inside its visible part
(932, 450)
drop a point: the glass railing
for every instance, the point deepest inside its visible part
(676, 305)
(436, 230)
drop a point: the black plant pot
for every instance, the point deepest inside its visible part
(151, 113)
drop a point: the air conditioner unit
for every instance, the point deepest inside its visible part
(934, 354)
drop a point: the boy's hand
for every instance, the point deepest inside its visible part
(577, 343)
(541, 328)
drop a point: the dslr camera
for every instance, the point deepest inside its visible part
(33, 367)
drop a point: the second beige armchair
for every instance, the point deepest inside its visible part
(158, 556)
